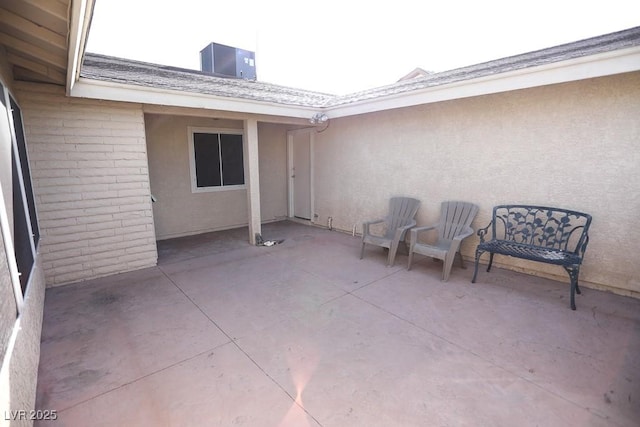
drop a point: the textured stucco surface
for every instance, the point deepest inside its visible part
(573, 145)
(178, 211)
(20, 357)
(25, 357)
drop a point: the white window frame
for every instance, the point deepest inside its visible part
(192, 159)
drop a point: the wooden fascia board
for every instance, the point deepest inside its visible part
(96, 89)
(599, 65)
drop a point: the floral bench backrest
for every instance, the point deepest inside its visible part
(540, 226)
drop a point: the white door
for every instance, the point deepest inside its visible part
(300, 174)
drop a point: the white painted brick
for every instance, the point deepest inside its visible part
(67, 269)
(131, 229)
(86, 206)
(121, 186)
(93, 180)
(105, 250)
(104, 225)
(95, 164)
(60, 182)
(95, 148)
(46, 143)
(102, 210)
(98, 242)
(135, 207)
(52, 223)
(135, 146)
(132, 178)
(143, 263)
(133, 257)
(106, 257)
(127, 155)
(136, 221)
(89, 236)
(149, 248)
(48, 155)
(70, 229)
(46, 215)
(138, 133)
(55, 164)
(145, 234)
(76, 123)
(60, 197)
(50, 248)
(95, 218)
(74, 139)
(90, 172)
(141, 192)
(84, 156)
(69, 254)
(103, 194)
(135, 163)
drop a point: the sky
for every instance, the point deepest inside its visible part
(344, 46)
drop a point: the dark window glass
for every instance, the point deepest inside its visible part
(26, 172)
(206, 149)
(232, 161)
(218, 159)
(21, 238)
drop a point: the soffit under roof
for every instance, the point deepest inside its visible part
(35, 34)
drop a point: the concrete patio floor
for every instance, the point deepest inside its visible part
(305, 333)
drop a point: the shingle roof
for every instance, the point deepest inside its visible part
(105, 68)
(592, 46)
(118, 70)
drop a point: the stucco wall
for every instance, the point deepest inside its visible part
(178, 211)
(572, 145)
(90, 173)
(19, 370)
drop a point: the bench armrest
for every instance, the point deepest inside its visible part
(483, 232)
(582, 249)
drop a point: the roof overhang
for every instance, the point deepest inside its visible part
(122, 80)
(111, 91)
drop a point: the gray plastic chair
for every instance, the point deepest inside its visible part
(402, 211)
(453, 227)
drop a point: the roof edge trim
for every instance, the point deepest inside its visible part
(111, 91)
(586, 67)
(80, 21)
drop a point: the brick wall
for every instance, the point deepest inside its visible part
(91, 181)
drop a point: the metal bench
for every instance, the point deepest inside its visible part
(537, 233)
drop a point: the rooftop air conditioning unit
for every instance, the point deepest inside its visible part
(228, 61)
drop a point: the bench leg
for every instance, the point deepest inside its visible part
(490, 261)
(475, 269)
(573, 276)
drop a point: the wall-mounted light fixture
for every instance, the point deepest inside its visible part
(318, 118)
